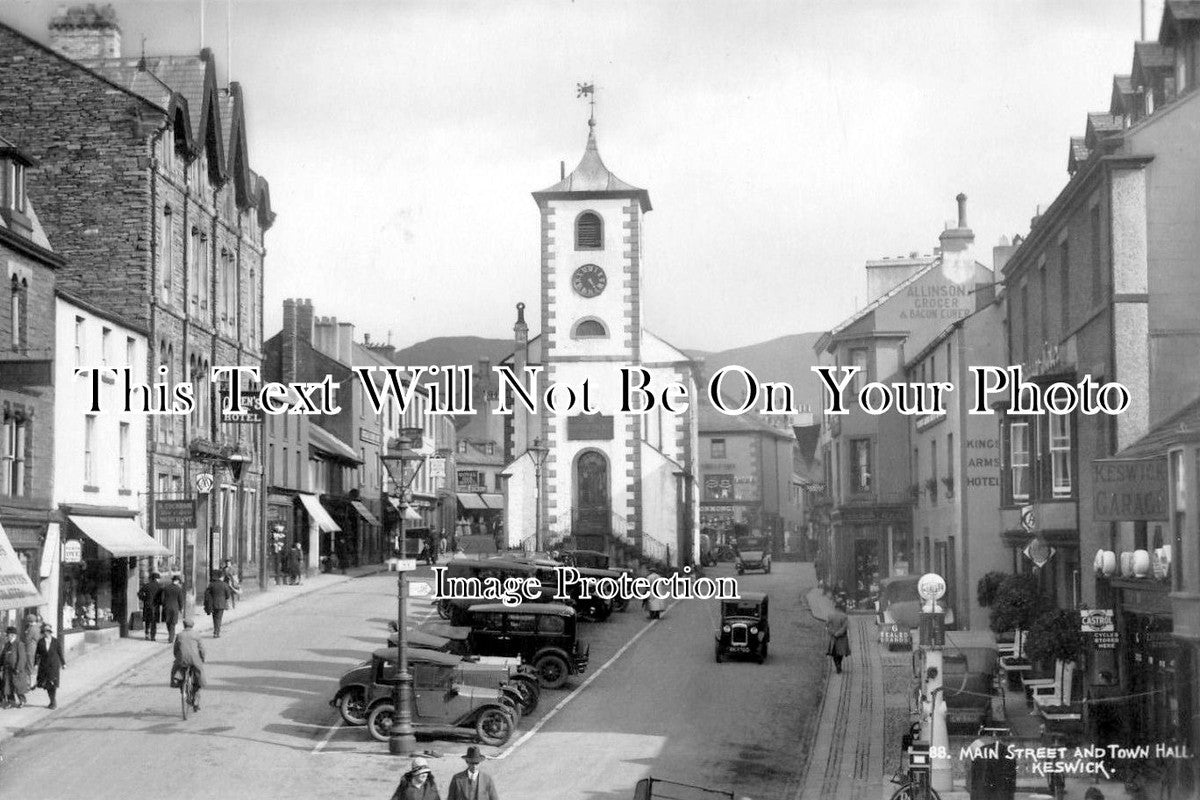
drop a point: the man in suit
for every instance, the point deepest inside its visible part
(150, 595)
(50, 663)
(14, 669)
(217, 598)
(189, 654)
(471, 784)
(172, 599)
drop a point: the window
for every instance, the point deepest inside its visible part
(949, 364)
(950, 464)
(123, 457)
(589, 329)
(1060, 454)
(106, 346)
(166, 244)
(1064, 266)
(271, 464)
(858, 358)
(462, 446)
(491, 448)
(548, 623)
(1097, 257)
(14, 185)
(589, 231)
(1024, 321)
(12, 457)
(933, 470)
(79, 354)
(18, 304)
(130, 351)
(860, 463)
(205, 273)
(89, 450)
(252, 308)
(285, 467)
(194, 270)
(716, 448)
(1018, 459)
(299, 467)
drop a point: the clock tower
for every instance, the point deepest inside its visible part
(608, 480)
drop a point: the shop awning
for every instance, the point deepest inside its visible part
(494, 501)
(409, 513)
(318, 513)
(16, 590)
(50, 550)
(122, 537)
(471, 501)
(364, 512)
(326, 443)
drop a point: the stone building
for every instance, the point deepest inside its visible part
(147, 185)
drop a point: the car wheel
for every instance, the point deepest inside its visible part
(740, 571)
(620, 605)
(493, 727)
(717, 654)
(380, 722)
(552, 671)
(529, 695)
(443, 609)
(353, 707)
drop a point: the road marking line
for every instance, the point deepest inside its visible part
(561, 703)
(325, 739)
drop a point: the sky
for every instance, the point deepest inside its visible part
(783, 144)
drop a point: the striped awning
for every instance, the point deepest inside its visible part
(494, 501)
(318, 513)
(122, 537)
(364, 512)
(16, 589)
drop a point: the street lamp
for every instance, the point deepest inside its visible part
(403, 740)
(539, 452)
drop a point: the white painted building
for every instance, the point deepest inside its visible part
(99, 474)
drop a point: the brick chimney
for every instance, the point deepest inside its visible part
(296, 341)
(481, 383)
(89, 31)
(345, 342)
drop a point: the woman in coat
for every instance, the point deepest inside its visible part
(50, 661)
(14, 669)
(417, 783)
(838, 626)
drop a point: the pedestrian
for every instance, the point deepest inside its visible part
(295, 564)
(471, 784)
(301, 571)
(33, 629)
(14, 670)
(172, 600)
(50, 663)
(230, 576)
(150, 595)
(417, 783)
(217, 599)
(189, 654)
(838, 626)
(442, 545)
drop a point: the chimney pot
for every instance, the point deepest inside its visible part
(962, 210)
(562, 170)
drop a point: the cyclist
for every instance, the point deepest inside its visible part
(189, 654)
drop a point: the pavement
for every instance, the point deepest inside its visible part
(99, 666)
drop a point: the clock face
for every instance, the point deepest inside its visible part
(589, 280)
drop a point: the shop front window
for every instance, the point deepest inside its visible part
(87, 590)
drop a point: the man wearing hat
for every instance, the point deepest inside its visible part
(471, 784)
(14, 669)
(50, 662)
(189, 654)
(417, 783)
(150, 595)
(172, 600)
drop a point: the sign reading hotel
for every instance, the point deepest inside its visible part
(1130, 490)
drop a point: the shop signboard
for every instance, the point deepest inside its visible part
(436, 467)
(174, 514)
(1130, 490)
(248, 411)
(1098, 623)
(718, 487)
(72, 551)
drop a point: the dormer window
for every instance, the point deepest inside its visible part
(589, 231)
(14, 186)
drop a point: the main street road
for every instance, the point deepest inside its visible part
(661, 707)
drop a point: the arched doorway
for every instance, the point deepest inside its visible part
(593, 503)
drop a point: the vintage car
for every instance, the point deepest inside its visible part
(752, 553)
(585, 560)
(455, 610)
(968, 686)
(478, 670)
(542, 634)
(898, 611)
(745, 629)
(442, 704)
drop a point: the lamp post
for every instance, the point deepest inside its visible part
(403, 740)
(539, 452)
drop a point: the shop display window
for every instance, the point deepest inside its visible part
(87, 596)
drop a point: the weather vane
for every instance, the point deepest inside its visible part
(588, 90)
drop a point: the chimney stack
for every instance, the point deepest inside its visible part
(960, 238)
(962, 210)
(562, 170)
(87, 31)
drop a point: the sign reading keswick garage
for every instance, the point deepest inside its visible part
(1130, 490)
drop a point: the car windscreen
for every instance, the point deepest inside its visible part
(751, 543)
(739, 608)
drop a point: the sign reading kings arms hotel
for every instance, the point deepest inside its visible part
(1130, 490)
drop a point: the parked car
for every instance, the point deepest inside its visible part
(968, 685)
(501, 568)
(442, 704)
(480, 670)
(744, 628)
(595, 560)
(752, 553)
(542, 634)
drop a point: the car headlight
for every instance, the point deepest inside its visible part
(727, 629)
(753, 630)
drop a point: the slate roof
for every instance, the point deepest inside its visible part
(826, 340)
(1176, 14)
(1183, 426)
(1152, 55)
(713, 421)
(128, 73)
(1077, 154)
(591, 175)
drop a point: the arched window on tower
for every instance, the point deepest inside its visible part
(589, 329)
(589, 231)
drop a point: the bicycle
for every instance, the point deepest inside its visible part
(187, 691)
(914, 785)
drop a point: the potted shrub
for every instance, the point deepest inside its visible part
(1017, 602)
(948, 482)
(1055, 636)
(987, 588)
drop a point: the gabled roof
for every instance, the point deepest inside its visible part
(1077, 154)
(1124, 96)
(1183, 426)
(9, 149)
(592, 178)
(713, 421)
(1149, 56)
(1177, 14)
(827, 339)
(1101, 126)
